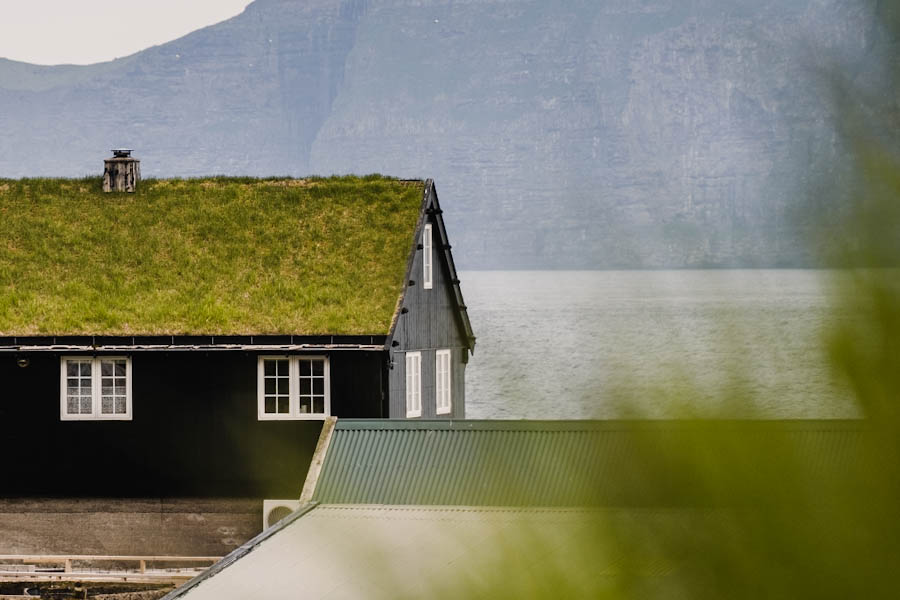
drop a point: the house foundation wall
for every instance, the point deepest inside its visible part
(133, 526)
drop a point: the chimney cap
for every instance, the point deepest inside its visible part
(121, 152)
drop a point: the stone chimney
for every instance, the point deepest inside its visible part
(121, 173)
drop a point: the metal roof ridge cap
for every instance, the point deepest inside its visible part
(599, 424)
(318, 460)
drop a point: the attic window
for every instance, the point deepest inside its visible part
(426, 257)
(293, 387)
(93, 388)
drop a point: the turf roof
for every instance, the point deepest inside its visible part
(209, 256)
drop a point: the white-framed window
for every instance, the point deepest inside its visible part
(442, 382)
(94, 388)
(293, 387)
(413, 384)
(427, 265)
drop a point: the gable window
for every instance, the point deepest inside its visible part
(413, 384)
(95, 388)
(442, 381)
(426, 257)
(293, 387)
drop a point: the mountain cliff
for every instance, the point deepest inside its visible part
(561, 134)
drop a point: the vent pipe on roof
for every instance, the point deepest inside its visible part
(122, 172)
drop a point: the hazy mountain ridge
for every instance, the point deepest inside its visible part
(561, 134)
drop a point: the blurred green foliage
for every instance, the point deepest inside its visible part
(757, 516)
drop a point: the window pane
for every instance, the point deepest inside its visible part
(119, 388)
(276, 368)
(319, 404)
(305, 367)
(73, 385)
(120, 368)
(106, 368)
(72, 404)
(71, 368)
(121, 406)
(305, 388)
(269, 386)
(283, 404)
(318, 386)
(318, 367)
(106, 405)
(85, 368)
(106, 390)
(305, 406)
(85, 386)
(86, 405)
(283, 385)
(270, 405)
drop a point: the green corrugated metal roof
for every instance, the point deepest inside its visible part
(560, 463)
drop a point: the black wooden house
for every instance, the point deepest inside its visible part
(169, 356)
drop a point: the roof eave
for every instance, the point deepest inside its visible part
(105, 343)
(461, 310)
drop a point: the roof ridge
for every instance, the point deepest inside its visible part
(597, 424)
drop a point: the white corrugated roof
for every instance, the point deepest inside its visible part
(359, 551)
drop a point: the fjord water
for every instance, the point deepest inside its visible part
(616, 344)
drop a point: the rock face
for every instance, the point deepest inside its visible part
(572, 133)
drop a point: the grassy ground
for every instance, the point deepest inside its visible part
(204, 256)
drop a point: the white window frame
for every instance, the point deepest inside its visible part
(413, 384)
(443, 399)
(96, 385)
(427, 258)
(293, 413)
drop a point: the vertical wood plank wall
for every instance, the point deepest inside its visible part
(194, 430)
(187, 474)
(430, 324)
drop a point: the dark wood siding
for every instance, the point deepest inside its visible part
(194, 430)
(357, 385)
(430, 323)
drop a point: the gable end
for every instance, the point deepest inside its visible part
(431, 212)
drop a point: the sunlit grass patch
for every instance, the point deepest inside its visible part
(204, 256)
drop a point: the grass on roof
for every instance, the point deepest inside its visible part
(204, 256)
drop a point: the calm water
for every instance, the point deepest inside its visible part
(607, 344)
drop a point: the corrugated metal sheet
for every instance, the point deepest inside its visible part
(332, 552)
(568, 463)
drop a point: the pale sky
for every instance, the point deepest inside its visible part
(50, 32)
